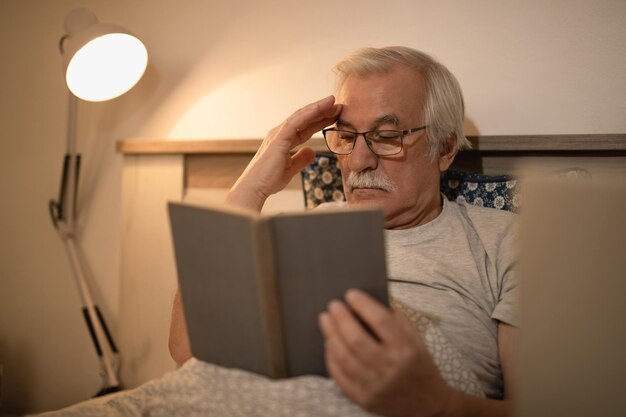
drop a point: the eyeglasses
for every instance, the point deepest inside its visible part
(380, 142)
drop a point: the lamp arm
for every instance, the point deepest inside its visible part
(57, 207)
(62, 211)
(69, 202)
(63, 214)
(95, 322)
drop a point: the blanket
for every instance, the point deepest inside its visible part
(203, 389)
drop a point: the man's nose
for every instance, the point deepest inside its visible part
(362, 157)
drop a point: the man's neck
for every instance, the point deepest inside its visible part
(413, 217)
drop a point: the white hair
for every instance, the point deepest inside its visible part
(443, 103)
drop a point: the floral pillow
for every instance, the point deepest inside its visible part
(321, 181)
(495, 191)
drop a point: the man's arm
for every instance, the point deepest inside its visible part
(467, 405)
(180, 350)
(270, 171)
(395, 375)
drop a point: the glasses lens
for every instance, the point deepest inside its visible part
(385, 142)
(340, 141)
(381, 142)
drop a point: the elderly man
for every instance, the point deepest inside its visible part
(398, 124)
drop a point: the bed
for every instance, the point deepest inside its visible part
(156, 171)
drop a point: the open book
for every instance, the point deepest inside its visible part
(253, 286)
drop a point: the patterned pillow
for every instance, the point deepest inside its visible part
(321, 181)
(495, 191)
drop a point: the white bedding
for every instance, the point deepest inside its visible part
(202, 389)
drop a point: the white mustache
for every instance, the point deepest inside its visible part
(368, 179)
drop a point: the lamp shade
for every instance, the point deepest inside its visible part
(101, 61)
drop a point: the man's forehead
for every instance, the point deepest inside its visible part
(369, 102)
(388, 118)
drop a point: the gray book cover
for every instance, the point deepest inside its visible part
(253, 286)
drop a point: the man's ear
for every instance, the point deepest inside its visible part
(448, 153)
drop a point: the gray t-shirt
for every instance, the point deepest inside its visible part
(458, 270)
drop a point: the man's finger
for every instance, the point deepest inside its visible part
(352, 333)
(378, 317)
(303, 157)
(339, 352)
(347, 385)
(309, 117)
(305, 134)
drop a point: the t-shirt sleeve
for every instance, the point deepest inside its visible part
(507, 305)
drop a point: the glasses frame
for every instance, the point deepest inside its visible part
(401, 133)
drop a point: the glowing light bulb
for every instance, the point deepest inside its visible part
(106, 67)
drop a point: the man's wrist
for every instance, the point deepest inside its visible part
(241, 196)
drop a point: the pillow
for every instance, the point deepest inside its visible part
(495, 191)
(321, 182)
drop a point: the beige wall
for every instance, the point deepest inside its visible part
(235, 69)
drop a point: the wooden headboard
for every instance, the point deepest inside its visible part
(217, 163)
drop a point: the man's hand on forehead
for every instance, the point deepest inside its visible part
(312, 118)
(273, 166)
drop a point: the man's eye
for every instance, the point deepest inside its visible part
(346, 135)
(385, 135)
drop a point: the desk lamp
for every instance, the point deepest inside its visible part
(100, 62)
